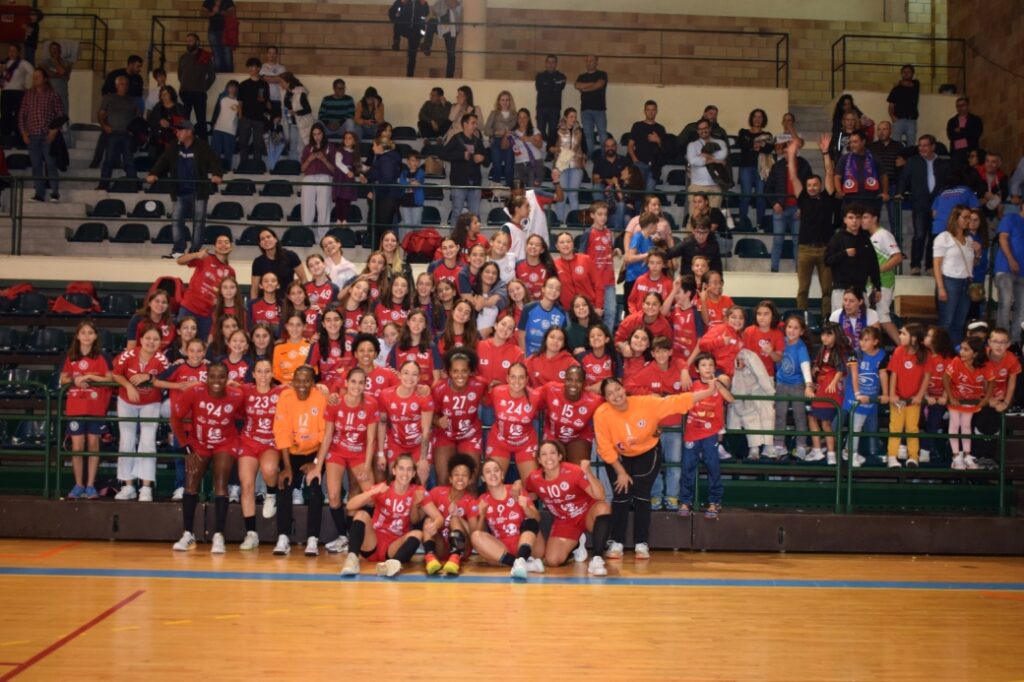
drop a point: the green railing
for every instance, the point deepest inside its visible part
(25, 397)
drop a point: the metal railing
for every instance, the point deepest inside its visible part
(67, 24)
(848, 68)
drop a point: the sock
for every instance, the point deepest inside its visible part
(250, 524)
(271, 490)
(602, 525)
(188, 510)
(407, 550)
(220, 505)
(525, 551)
(429, 547)
(340, 520)
(356, 535)
(507, 559)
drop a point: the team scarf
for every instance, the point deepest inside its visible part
(12, 68)
(851, 183)
(852, 334)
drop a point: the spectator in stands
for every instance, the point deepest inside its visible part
(593, 87)
(298, 112)
(789, 127)
(35, 17)
(991, 184)
(216, 11)
(386, 169)
(337, 111)
(465, 153)
(448, 15)
(701, 209)
(903, 102)
(498, 128)
(699, 153)
(689, 133)
(549, 84)
(188, 163)
(646, 145)
(433, 118)
(699, 243)
(399, 14)
(84, 364)
(1017, 183)
(16, 79)
(116, 113)
(414, 176)
(852, 259)
(254, 97)
(956, 193)
(755, 145)
(817, 207)
(270, 71)
(844, 106)
(195, 78)
(1008, 275)
(886, 150)
(274, 258)
(964, 132)
(318, 168)
(954, 256)
(369, 113)
(463, 105)
(859, 176)
(529, 151)
(161, 120)
(153, 94)
(417, 29)
(889, 257)
(136, 85)
(607, 168)
(225, 124)
(40, 119)
(59, 71)
(569, 161)
(785, 212)
(923, 177)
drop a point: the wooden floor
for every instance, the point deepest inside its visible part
(103, 610)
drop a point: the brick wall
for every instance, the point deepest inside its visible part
(994, 30)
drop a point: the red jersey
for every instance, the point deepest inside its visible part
(392, 510)
(312, 327)
(461, 407)
(684, 332)
(352, 426)
(566, 420)
(394, 313)
(600, 247)
(764, 344)
(259, 414)
(597, 369)
(654, 379)
(725, 344)
(908, 371)
(542, 369)
(94, 400)
(504, 516)
(329, 368)
(213, 419)
(567, 496)
(532, 276)
(404, 417)
(201, 294)
(439, 270)
(966, 384)
(261, 311)
(824, 373)
(428, 360)
(377, 381)
(513, 417)
(167, 330)
(659, 327)
(321, 295)
(495, 360)
(129, 363)
(633, 365)
(999, 373)
(716, 309)
(937, 366)
(707, 417)
(645, 285)
(237, 371)
(184, 373)
(466, 507)
(578, 279)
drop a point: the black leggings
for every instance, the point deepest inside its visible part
(643, 469)
(314, 510)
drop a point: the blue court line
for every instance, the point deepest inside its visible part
(417, 578)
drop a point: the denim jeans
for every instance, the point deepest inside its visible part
(571, 180)
(39, 152)
(188, 206)
(411, 216)
(224, 147)
(595, 128)
(502, 162)
(751, 183)
(611, 316)
(119, 146)
(617, 220)
(195, 102)
(468, 199)
(1011, 300)
(786, 222)
(667, 481)
(223, 59)
(137, 437)
(706, 449)
(953, 312)
(905, 130)
(547, 121)
(645, 170)
(933, 418)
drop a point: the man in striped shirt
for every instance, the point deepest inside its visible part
(336, 112)
(40, 109)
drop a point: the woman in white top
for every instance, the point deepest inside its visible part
(528, 148)
(569, 160)
(340, 270)
(225, 125)
(463, 105)
(498, 128)
(954, 256)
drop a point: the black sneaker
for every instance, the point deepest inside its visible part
(38, 199)
(55, 198)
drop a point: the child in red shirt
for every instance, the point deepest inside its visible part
(764, 337)
(968, 389)
(828, 370)
(908, 384)
(655, 279)
(703, 423)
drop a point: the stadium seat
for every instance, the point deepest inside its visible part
(227, 210)
(19, 162)
(404, 150)
(148, 209)
(88, 232)
(31, 303)
(553, 220)
(131, 233)
(251, 167)
(431, 216)
(239, 187)
(17, 375)
(676, 176)
(125, 186)
(299, 236)
(211, 233)
(107, 208)
(250, 236)
(576, 218)
(355, 214)
(161, 186)
(78, 299)
(277, 188)
(108, 343)
(143, 163)
(287, 167)
(432, 150)
(266, 212)
(165, 235)
(295, 215)
(497, 217)
(404, 133)
(432, 193)
(345, 236)
(10, 339)
(119, 304)
(669, 218)
(365, 149)
(748, 247)
(29, 435)
(47, 340)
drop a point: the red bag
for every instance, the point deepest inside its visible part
(12, 292)
(174, 287)
(62, 305)
(421, 243)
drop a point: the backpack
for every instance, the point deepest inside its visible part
(61, 304)
(420, 244)
(175, 289)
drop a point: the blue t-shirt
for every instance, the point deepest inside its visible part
(787, 371)
(419, 176)
(868, 382)
(947, 201)
(535, 321)
(1013, 225)
(642, 244)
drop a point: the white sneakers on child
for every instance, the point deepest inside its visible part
(614, 550)
(642, 551)
(218, 546)
(892, 462)
(351, 566)
(535, 565)
(146, 493)
(187, 542)
(597, 567)
(283, 546)
(251, 541)
(579, 555)
(389, 568)
(964, 461)
(337, 546)
(312, 546)
(270, 506)
(127, 492)
(519, 569)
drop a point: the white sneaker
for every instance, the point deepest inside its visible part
(902, 453)
(218, 544)
(801, 452)
(596, 567)
(127, 492)
(312, 546)
(337, 546)
(178, 494)
(753, 454)
(283, 546)
(234, 494)
(251, 541)
(642, 551)
(970, 461)
(519, 569)
(776, 452)
(831, 457)
(351, 566)
(535, 565)
(892, 462)
(389, 568)
(579, 555)
(187, 542)
(146, 493)
(958, 463)
(924, 457)
(297, 499)
(614, 550)
(723, 454)
(815, 455)
(858, 460)
(270, 506)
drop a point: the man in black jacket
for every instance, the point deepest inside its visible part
(922, 179)
(964, 132)
(700, 243)
(785, 213)
(188, 163)
(852, 259)
(549, 84)
(817, 208)
(465, 151)
(196, 76)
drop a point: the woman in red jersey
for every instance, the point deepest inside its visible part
(296, 302)
(512, 525)
(408, 418)
(414, 346)
(156, 309)
(201, 295)
(257, 448)
(457, 401)
(569, 414)
(322, 292)
(229, 302)
(636, 351)
(353, 304)
(649, 317)
(537, 267)
(460, 329)
(601, 361)
(495, 356)
(447, 267)
(514, 435)
(461, 513)
(551, 361)
(85, 365)
(576, 270)
(395, 303)
(266, 308)
(327, 356)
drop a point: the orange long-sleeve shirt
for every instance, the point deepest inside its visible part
(287, 358)
(299, 424)
(639, 421)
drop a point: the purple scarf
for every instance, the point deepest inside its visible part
(852, 180)
(853, 335)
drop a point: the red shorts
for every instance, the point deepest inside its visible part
(523, 453)
(345, 458)
(394, 452)
(380, 552)
(247, 447)
(511, 545)
(231, 447)
(468, 446)
(569, 528)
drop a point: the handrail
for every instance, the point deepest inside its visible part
(98, 23)
(843, 61)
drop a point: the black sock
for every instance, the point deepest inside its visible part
(507, 559)
(188, 510)
(271, 490)
(340, 520)
(250, 524)
(315, 511)
(525, 551)
(356, 535)
(429, 547)
(220, 505)
(407, 550)
(602, 524)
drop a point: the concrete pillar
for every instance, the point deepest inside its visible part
(474, 39)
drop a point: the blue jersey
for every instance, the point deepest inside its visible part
(947, 201)
(535, 321)
(869, 382)
(642, 244)
(787, 371)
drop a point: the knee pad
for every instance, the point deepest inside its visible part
(529, 526)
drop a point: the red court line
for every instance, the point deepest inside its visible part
(1007, 597)
(8, 663)
(57, 550)
(77, 632)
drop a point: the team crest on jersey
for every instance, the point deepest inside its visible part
(335, 352)
(472, 395)
(579, 270)
(83, 364)
(505, 364)
(415, 406)
(228, 409)
(73, 425)
(314, 411)
(1002, 372)
(563, 485)
(578, 423)
(642, 423)
(908, 365)
(273, 398)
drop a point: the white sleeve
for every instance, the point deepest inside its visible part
(693, 155)
(805, 369)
